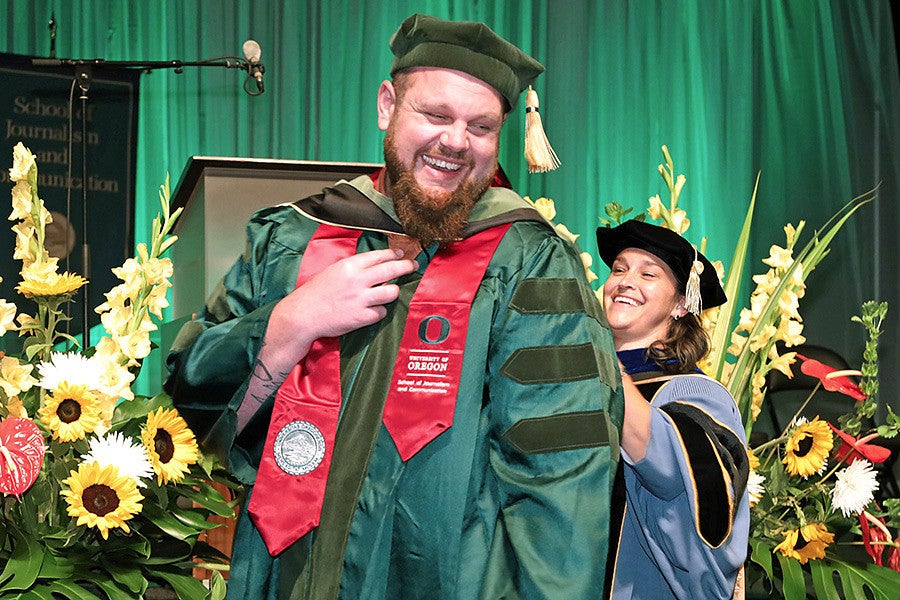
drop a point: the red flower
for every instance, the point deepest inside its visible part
(872, 534)
(853, 448)
(832, 379)
(21, 454)
(894, 556)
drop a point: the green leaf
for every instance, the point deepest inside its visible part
(128, 576)
(217, 586)
(184, 585)
(121, 545)
(166, 548)
(24, 563)
(36, 593)
(793, 582)
(761, 554)
(56, 567)
(207, 462)
(855, 579)
(70, 590)
(114, 591)
(32, 350)
(206, 552)
(194, 518)
(168, 523)
(209, 470)
(823, 580)
(170, 552)
(778, 477)
(207, 500)
(720, 339)
(138, 409)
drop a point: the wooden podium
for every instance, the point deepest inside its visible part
(218, 195)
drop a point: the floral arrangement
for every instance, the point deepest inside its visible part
(813, 486)
(104, 494)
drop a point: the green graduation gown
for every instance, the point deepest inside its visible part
(511, 502)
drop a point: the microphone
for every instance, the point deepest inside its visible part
(255, 68)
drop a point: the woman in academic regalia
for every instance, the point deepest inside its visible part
(683, 533)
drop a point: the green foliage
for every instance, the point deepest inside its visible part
(44, 551)
(121, 531)
(617, 213)
(740, 357)
(830, 578)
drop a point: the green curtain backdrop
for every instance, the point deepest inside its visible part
(802, 91)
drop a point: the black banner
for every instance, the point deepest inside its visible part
(43, 108)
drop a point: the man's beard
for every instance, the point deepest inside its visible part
(430, 216)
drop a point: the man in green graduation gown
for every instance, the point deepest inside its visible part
(410, 368)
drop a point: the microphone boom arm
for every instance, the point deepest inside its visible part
(229, 62)
(254, 68)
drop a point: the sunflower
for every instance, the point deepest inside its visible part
(753, 459)
(805, 543)
(71, 412)
(171, 445)
(808, 447)
(49, 285)
(101, 498)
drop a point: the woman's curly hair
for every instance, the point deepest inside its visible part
(685, 346)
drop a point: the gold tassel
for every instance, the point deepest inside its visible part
(538, 152)
(692, 289)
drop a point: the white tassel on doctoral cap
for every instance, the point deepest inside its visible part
(692, 288)
(538, 152)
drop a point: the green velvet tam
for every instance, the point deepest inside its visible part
(467, 46)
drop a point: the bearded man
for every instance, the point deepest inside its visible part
(410, 368)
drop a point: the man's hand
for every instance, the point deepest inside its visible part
(350, 294)
(345, 296)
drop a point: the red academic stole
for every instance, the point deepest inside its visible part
(420, 402)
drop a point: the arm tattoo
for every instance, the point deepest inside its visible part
(263, 382)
